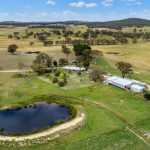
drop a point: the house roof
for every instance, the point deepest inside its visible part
(74, 68)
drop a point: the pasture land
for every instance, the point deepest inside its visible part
(106, 121)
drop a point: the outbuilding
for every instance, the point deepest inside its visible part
(137, 88)
(124, 83)
(120, 82)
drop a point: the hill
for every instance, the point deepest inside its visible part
(130, 22)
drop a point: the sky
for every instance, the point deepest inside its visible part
(65, 10)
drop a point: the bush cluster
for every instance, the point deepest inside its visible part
(147, 96)
(61, 83)
(58, 77)
(55, 80)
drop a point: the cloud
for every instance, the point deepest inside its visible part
(77, 4)
(50, 2)
(67, 12)
(91, 5)
(107, 3)
(128, 0)
(81, 4)
(137, 2)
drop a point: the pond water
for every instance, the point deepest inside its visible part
(32, 118)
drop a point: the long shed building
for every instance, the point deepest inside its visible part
(120, 82)
(125, 83)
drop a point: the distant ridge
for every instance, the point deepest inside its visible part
(112, 24)
(121, 23)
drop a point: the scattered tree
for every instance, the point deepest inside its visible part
(79, 49)
(97, 75)
(125, 68)
(12, 48)
(42, 62)
(66, 50)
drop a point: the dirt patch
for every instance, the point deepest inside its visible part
(147, 134)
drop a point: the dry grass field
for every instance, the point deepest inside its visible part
(136, 54)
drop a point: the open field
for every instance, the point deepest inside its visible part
(103, 127)
(126, 29)
(136, 54)
(130, 29)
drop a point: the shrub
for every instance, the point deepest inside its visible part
(57, 73)
(147, 96)
(48, 70)
(49, 76)
(62, 75)
(55, 80)
(55, 63)
(61, 83)
(65, 80)
(86, 64)
(63, 61)
(79, 73)
(10, 36)
(31, 43)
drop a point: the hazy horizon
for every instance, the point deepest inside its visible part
(69, 20)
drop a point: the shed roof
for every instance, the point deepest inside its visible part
(121, 81)
(137, 87)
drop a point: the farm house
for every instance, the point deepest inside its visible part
(74, 68)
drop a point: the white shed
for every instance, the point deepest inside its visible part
(120, 82)
(137, 88)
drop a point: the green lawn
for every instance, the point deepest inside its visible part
(103, 128)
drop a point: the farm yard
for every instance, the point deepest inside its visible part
(115, 118)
